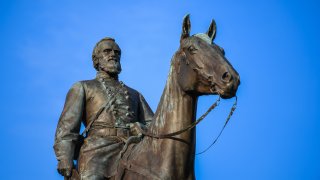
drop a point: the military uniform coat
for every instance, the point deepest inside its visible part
(99, 153)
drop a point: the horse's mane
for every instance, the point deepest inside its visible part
(158, 122)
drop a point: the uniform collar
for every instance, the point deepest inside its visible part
(103, 76)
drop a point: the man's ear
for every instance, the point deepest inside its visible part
(186, 26)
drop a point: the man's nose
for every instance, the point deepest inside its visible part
(112, 53)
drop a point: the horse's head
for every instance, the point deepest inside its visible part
(202, 66)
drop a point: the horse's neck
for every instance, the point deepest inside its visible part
(176, 109)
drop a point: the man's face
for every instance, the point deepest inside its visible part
(109, 57)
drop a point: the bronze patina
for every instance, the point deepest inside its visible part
(108, 108)
(167, 151)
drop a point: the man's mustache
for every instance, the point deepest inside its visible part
(113, 59)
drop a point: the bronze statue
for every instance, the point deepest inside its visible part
(167, 151)
(108, 108)
(199, 67)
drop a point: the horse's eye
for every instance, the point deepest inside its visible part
(192, 49)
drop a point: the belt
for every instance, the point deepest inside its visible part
(120, 132)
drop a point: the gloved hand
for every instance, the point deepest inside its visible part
(134, 128)
(65, 167)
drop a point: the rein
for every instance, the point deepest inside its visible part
(233, 108)
(197, 69)
(192, 125)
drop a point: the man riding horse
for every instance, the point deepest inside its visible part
(110, 111)
(106, 107)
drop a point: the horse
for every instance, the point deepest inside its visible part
(199, 67)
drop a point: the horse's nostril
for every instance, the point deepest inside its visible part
(226, 77)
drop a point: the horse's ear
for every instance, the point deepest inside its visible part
(186, 26)
(212, 30)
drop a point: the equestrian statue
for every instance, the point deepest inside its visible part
(159, 146)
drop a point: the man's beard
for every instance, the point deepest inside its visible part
(112, 67)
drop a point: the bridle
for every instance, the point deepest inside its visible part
(192, 125)
(233, 108)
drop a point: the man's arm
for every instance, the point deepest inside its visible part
(145, 112)
(144, 117)
(67, 132)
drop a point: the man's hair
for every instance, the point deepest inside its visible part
(95, 58)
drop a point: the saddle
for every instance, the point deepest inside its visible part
(126, 165)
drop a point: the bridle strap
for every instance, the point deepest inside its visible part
(234, 106)
(192, 125)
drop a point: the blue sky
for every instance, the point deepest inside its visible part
(275, 132)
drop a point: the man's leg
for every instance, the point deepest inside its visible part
(99, 158)
(91, 176)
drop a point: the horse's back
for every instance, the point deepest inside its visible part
(133, 165)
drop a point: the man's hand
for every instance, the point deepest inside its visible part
(134, 128)
(65, 167)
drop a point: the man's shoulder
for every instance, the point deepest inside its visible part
(131, 90)
(86, 84)
(89, 82)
